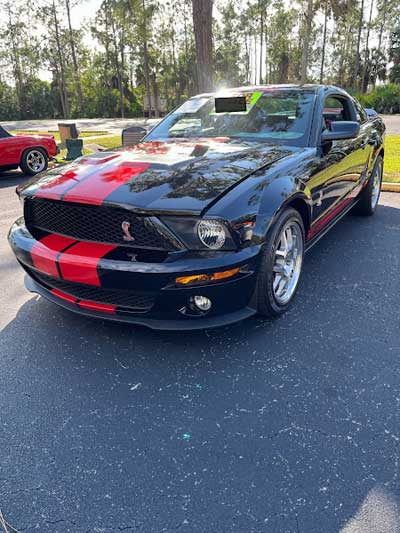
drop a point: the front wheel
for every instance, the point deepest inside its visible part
(281, 264)
(33, 161)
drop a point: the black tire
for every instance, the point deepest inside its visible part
(28, 159)
(267, 303)
(367, 202)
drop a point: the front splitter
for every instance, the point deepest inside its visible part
(183, 324)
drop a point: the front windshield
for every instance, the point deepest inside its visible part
(273, 117)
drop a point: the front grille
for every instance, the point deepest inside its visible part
(122, 298)
(93, 223)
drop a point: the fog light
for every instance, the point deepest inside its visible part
(201, 303)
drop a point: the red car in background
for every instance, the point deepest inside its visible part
(29, 152)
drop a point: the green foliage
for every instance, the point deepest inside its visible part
(38, 99)
(384, 99)
(228, 53)
(394, 75)
(132, 47)
(8, 103)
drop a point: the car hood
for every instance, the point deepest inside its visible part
(172, 176)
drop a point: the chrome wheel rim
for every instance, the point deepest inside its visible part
(35, 161)
(288, 261)
(376, 186)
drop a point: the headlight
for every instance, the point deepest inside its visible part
(211, 233)
(201, 233)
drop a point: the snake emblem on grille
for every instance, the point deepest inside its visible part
(127, 234)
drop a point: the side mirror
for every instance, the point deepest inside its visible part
(341, 129)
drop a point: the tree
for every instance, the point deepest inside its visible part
(74, 56)
(202, 26)
(306, 34)
(394, 55)
(55, 52)
(326, 15)
(364, 80)
(229, 59)
(357, 57)
(148, 56)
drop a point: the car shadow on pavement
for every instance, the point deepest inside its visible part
(292, 423)
(13, 177)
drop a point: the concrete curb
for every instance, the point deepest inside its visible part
(387, 186)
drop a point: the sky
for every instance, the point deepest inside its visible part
(84, 9)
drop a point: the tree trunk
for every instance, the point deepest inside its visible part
(156, 97)
(186, 12)
(74, 59)
(261, 45)
(247, 59)
(364, 83)
(321, 76)
(267, 76)
(202, 26)
(381, 28)
(118, 67)
(306, 41)
(146, 63)
(255, 58)
(382, 25)
(357, 61)
(283, 68)
(63, 86)
(16, 66)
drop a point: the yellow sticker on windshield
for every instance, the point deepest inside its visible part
(251, 100)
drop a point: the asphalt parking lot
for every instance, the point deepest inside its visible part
(283, 426)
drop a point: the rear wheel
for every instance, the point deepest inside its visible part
(33, 161)
(281, 264)
(369, 196)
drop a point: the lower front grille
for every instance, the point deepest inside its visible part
(131, 300)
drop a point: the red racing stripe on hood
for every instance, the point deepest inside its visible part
(44, 253)
(95, 189)
(54, 188)
(79, 263)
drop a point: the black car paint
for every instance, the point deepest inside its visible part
(315, 180)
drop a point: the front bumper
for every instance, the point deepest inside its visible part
(232, 299)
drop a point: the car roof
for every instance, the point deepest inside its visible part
(306, 87)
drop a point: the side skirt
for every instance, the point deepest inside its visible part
(329, 226)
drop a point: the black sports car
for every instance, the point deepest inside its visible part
(206, 221)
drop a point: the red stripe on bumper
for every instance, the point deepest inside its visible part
(95, 189)
(64, 296)
(85, 304)
(44, 253)
(79, 263)
(95, 306)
